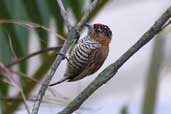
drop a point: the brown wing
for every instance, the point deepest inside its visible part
(96, 59)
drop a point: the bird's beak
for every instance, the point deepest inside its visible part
(88, 26)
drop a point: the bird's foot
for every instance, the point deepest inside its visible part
(63, 56)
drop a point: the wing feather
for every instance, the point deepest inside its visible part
(95, 61)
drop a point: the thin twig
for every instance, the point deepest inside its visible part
(17, 73)
(29, 78)
(52, 91)
(64, 15)
(17, 61)
(8, 75)
(55, 100)
(23, 75)
(11, 46)
(24, 101)
(87, 13)
(112, 69)
(14, 99)
(30, 25)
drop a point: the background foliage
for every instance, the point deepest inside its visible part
(39, 12)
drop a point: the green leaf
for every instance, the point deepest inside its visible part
(38, 13)
(76, 7)
(22, 32)
(5, 57)
(152, 82)
(5, 14)
(5, 52)
(124, 110)
(11, 31)
(55, 13)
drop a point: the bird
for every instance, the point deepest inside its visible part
(88, 54)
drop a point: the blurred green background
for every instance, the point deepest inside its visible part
(39, 12)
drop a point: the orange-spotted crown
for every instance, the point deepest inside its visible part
(100, 33)
(104, 29)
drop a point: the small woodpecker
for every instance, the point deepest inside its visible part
(89, 53)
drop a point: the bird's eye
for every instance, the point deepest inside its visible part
(98, 30)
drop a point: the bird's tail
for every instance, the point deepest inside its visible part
(60, 81)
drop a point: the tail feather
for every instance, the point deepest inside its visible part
(60, 81)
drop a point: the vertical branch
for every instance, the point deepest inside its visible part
(71, 38)
(87, 13)
(64, 15)
(152, 83)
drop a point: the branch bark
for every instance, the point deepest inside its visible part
(73, 34)
(64, 15)
(112, 69)
(17, 61)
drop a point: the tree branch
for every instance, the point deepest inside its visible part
(30, 25)
(111, 70)
(87, 13)
(64, 15)
(17, 61)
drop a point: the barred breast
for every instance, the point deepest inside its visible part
(78, 59)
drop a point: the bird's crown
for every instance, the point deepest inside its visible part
(101, 28)
(100, 33)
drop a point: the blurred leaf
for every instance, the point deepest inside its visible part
(38, 13)
(152, 82)
(124, 110)
(5, 52)
(9, 29)
(13, 32)
(22, 34)
(169, 63)
(76, 8)
(55, 12)
(11, 35)
(5, 56)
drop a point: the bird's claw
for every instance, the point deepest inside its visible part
(63, 56)
(77, 33)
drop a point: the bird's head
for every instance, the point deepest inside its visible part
(100, 33)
